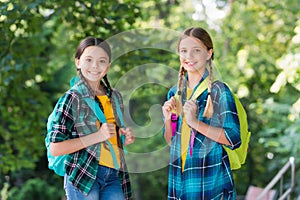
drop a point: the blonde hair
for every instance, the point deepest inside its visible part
(202, 35)
(181, 77)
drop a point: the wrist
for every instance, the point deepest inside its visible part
(167, 120)
(194, 123)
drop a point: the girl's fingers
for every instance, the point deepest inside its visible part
(173, 102)
(190, 106)
(129, 136)
(168, 106)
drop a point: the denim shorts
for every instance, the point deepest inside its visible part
(107, 186)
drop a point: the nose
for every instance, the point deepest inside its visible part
(94, 65)
(189, 54)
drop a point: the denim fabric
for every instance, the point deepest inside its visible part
(106, 187)
(73, 119)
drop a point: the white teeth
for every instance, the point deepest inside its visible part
(190, 63)
(95, 73)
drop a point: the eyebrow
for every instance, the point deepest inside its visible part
(103, 57)
(192, 47)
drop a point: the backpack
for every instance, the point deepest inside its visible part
(237, 157)
(57, 163)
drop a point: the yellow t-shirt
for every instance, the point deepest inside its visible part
(185, 133)
(105, 154)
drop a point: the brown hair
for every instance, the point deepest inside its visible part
(92, 41)
(99, 42)
(202, 35)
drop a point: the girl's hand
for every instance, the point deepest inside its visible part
(190, 110)
(107, 131)
(129, 135)
(168, 107)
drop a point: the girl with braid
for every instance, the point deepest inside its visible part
(199, 166)
(94, 171)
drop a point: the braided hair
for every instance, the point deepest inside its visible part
(203, 36)
(181, 77)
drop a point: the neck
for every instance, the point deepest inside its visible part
(97, 88)
(194, 79)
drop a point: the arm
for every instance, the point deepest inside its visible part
(168, 131)
(67, 112)
(214, 133)
(228, 134)
(72, 145)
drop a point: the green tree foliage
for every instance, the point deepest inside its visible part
(34, 189)
(260, 39)
(256, 51)
(38, 39)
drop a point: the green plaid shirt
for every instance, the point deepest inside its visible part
(74, 119)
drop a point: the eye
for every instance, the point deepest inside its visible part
(182, 51)
(102, 61)
(197, 50)
(88, 60)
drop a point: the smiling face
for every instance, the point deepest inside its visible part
(94, 64)
(193, 54)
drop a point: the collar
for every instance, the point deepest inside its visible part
(206, 73)
(80, 86)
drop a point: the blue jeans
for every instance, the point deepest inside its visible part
(107, 186)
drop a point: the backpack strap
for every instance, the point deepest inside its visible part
(200, 88)
(196, 93)
(100, 115)
(117, 99)
(94, 106)
(118, 109)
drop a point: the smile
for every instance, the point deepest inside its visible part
(191, 64)
(94, 73)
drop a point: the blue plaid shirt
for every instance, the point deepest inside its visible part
(207, 174)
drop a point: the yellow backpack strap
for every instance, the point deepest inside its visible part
(200, 89)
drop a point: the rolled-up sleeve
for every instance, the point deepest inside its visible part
(228, 116)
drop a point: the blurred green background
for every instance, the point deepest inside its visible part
(257, 52)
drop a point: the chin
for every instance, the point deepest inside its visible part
(93, 79)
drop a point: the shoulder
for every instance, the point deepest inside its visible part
(220, 87)
(81, 89)
(116, 95)
(116, 92)
(221, 91)
(72, 94)
(69, 99)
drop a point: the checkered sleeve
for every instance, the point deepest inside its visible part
(65, 116)
(228, 115)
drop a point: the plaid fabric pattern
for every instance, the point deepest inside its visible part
(207, 174)
(74, 119)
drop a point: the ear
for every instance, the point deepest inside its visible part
(209, 54)
(77, 63)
